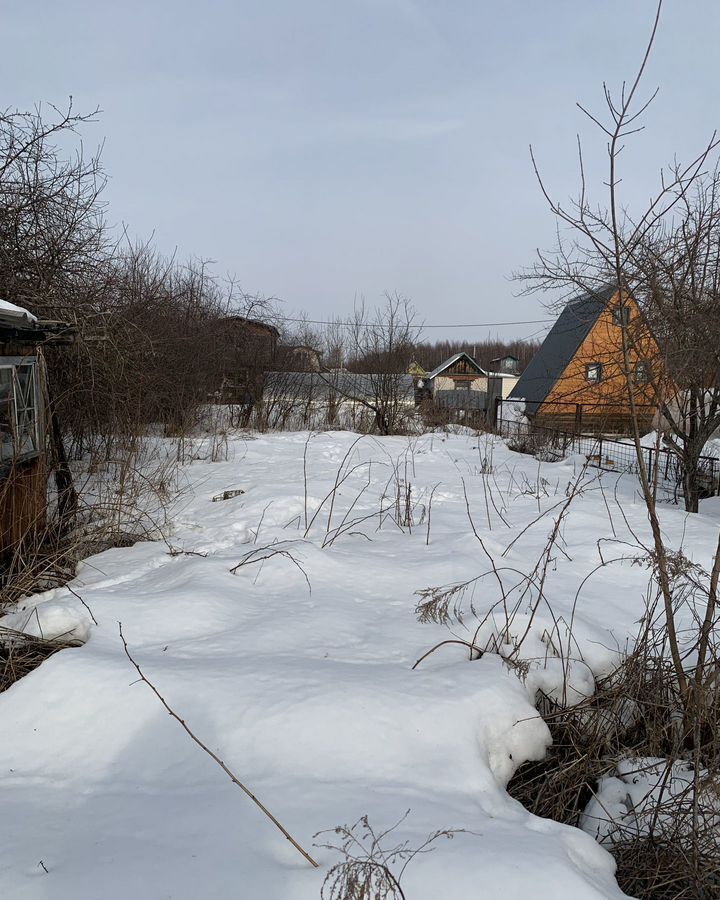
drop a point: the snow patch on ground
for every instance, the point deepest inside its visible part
(50, 620)
(648, 794)
(297, 670)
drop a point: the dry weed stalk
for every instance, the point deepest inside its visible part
(216, 759)
(20, 654)
(369, 870)
(445, 604)
(259, 555)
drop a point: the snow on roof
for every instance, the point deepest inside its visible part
(16, 314)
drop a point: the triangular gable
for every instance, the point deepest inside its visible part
(416, 370)
(443, 367)
(560, 346)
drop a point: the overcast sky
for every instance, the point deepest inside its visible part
(327, 149)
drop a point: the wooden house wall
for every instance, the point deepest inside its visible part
(23, 483)
(446, 383)
(23, 504)
(248, 350)
(604, 404)
(14, 349)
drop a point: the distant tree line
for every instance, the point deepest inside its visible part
(430, 354)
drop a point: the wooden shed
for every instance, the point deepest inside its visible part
(456, 390)
(248, 349)
(24, 425)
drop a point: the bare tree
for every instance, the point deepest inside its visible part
(52, 229)
(380, 347)
(334, 344)
(664, 258)
(677, 278)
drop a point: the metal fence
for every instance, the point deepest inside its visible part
(611, 454)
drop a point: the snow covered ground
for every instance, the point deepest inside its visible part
(297, 671)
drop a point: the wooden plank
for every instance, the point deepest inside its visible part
(23, 504)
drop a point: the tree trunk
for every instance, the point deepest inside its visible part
(382, 422)
(67, 495)
(691, 482)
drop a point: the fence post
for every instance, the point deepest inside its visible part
(497, 421)
(578, 418)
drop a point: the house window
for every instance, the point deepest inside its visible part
(642, 372)
(621, 315)
(593, 372)
(19, 416)
(6, 413)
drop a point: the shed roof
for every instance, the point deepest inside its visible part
(453, 359)
(561, 344)
(16, 315)
(252, 325)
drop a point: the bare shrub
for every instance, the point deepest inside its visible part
(370, 870)
(664, 258)
(665, 842)
(381, 346)
(546, 445)
(661, 869)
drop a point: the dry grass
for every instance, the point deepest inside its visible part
(634, 714)
(20, 654)
(659, 869)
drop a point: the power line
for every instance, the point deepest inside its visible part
(451, 325)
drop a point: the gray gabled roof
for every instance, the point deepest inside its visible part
(559, 347)
(453, 359)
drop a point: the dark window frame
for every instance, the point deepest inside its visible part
(593, 372)
(621, 315)
(22, 425)
(642, 372)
